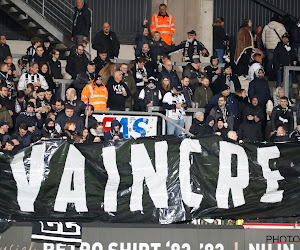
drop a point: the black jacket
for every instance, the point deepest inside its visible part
(81, 21)
(79, 106)
(198, 128)
(76, 64)
(210, 72)
(30, 120)
(158, 48)
(40, 59)
(250, 131)
(150, 95)
(99, 63)
(282, 117)
(4, 51)
(109, 42)
(55, 68)
(259, 88)
(219, 84)
(190, 52)
(150, 64)
(193, 75)
(295, 136)
(256, 111)
(219, 35)
(282, 57)
(109, 135)
(116, 101)
(174, 79)
(82, 80)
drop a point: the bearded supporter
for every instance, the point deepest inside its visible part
(118, 92)
(77, 63)
(129, 81)
(203, 93)
(95, 94)
(222, 111)
(32, 119)
(192, 48)
(230, 102)
(32, 77)
(69, 115)
(71, 98)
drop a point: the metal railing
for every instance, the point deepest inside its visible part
(286, 75)
(60, 14)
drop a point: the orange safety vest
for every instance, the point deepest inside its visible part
(94, 95)
(165, 26)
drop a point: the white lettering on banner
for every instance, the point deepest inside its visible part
(142, 168)
(272, 194)
(28, 189)
(111, 188)
(74, 169)
(187, 146)
(226, 181)
(134, 246)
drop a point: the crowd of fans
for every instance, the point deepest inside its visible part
(31, 108)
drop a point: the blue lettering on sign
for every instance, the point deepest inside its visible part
(138, 129)
(124, 128)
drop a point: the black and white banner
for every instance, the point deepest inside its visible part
(150, 180)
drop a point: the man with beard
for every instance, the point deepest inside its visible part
(220, 129)
(192, 48)
(77, 63)
(203, 94)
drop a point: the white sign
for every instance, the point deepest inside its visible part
(132, 126)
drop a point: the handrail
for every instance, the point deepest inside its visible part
(286, 72)
(115, 112)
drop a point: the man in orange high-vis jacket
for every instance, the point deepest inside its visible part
(164, 24)
(95, 94)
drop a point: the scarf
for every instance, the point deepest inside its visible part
(195, 50)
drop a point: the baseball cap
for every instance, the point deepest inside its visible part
(152, 80)
(2, 123)
(98, 77)
(192, 32)
(91, 63)
(178, 88)
(30, 104)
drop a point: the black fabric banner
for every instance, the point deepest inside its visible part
(150, 180)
